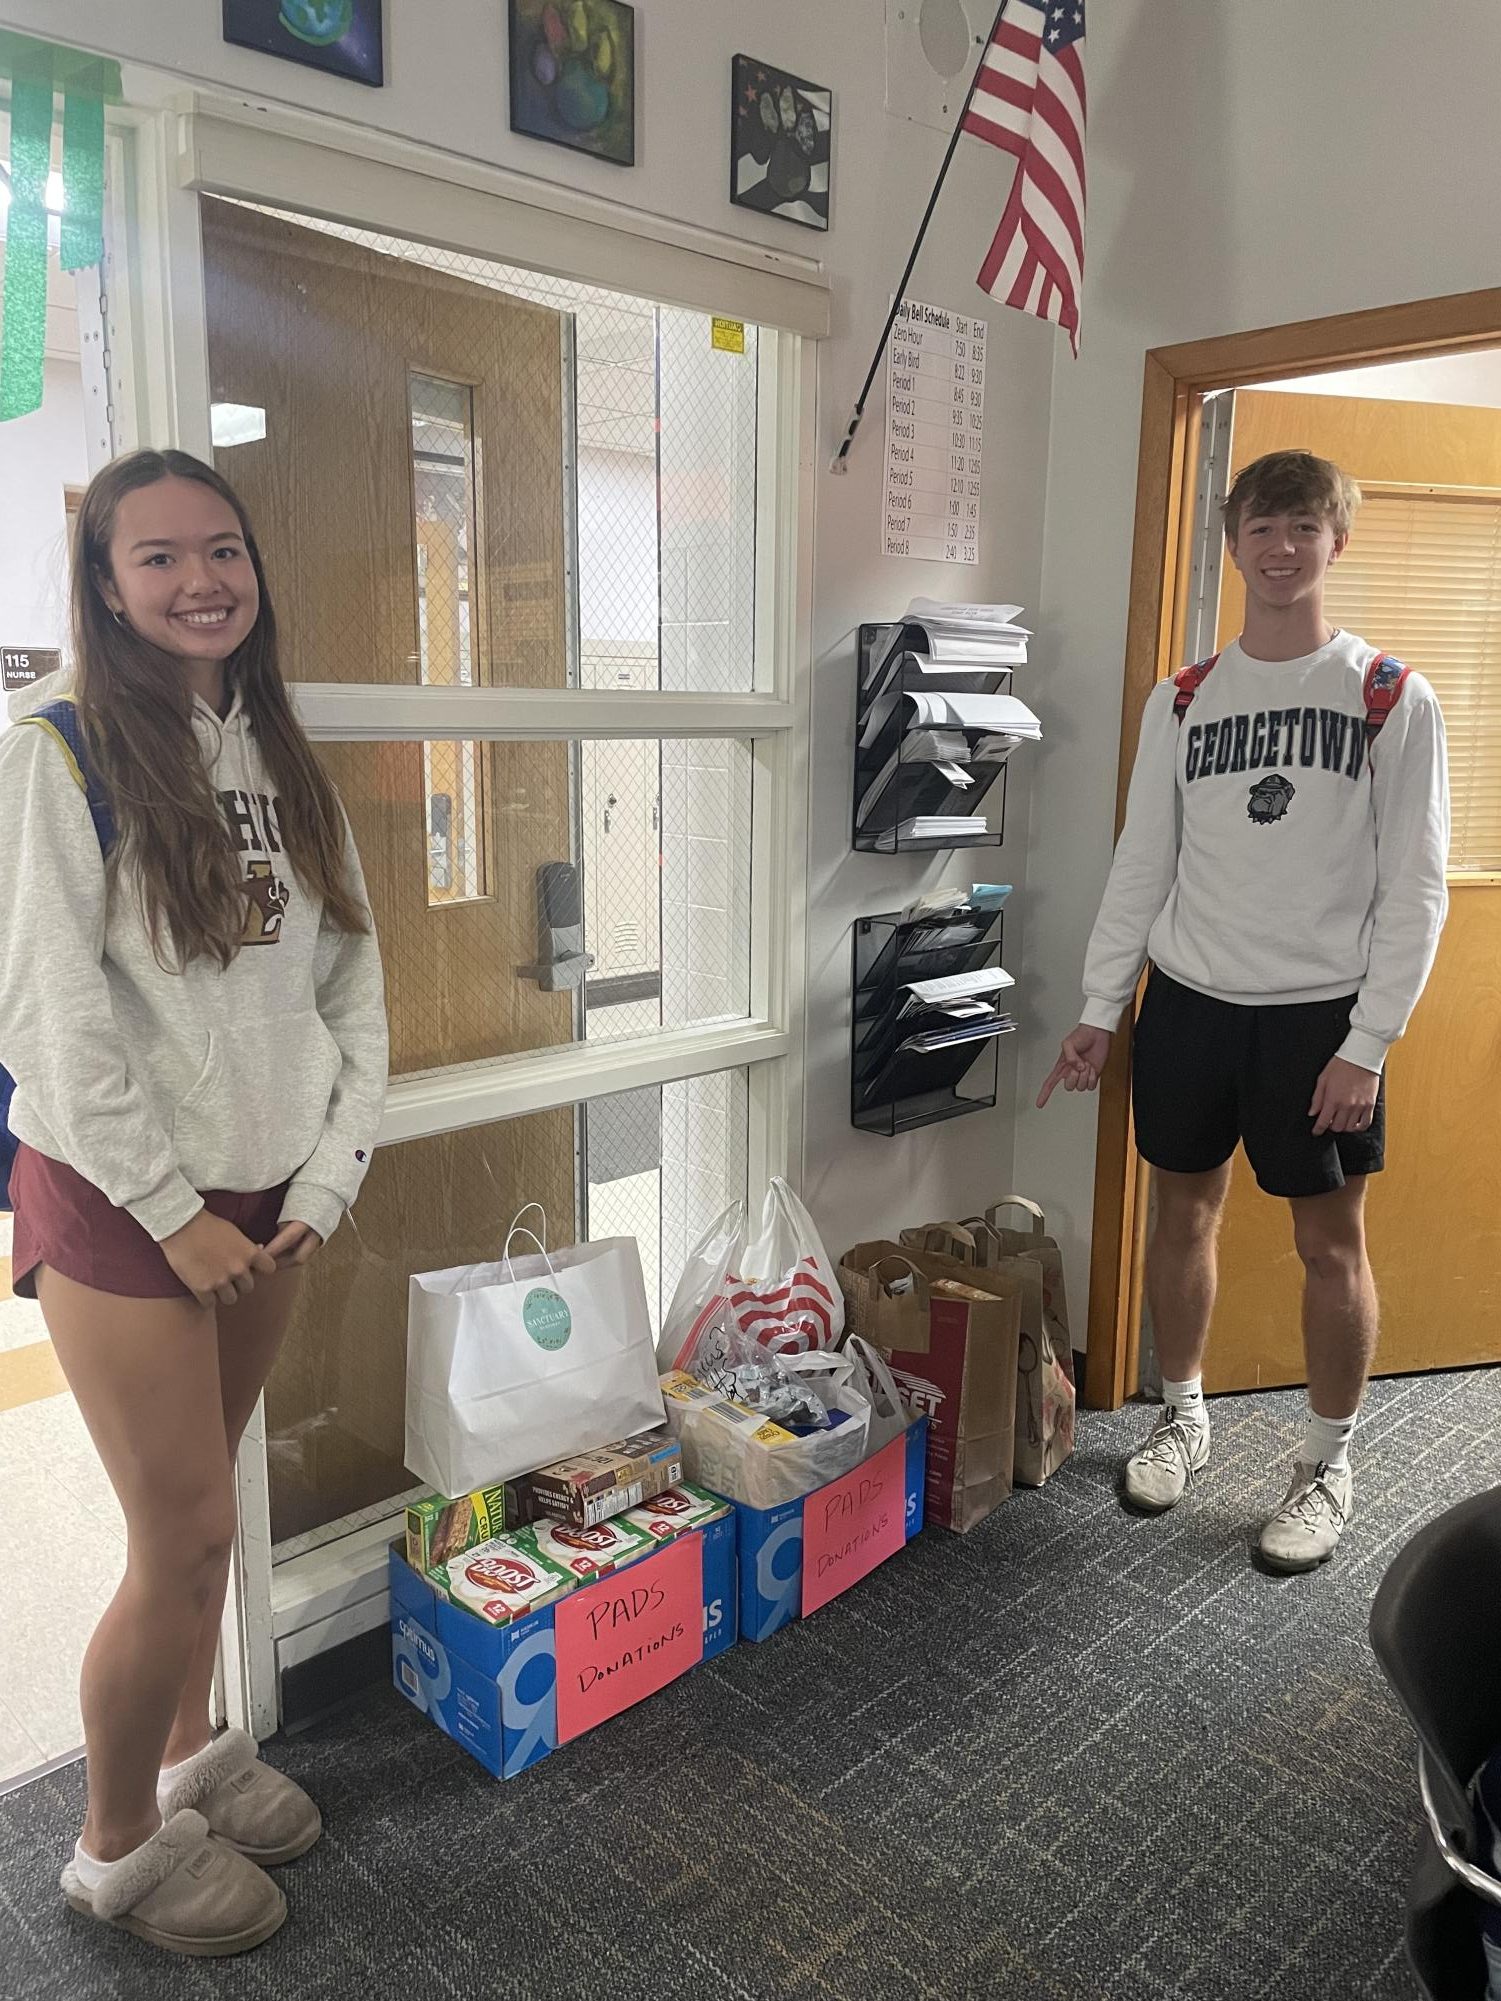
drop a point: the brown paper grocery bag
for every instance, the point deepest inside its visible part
(1046, 1398)
(951, 1333)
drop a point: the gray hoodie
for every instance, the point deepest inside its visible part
(156, 1085)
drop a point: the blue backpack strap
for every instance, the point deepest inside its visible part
(60, 720)
(1385, 679)
(1188, 684)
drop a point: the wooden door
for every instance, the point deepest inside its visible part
(390, 562)
(1435, 1213)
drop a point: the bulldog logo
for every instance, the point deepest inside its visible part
(1270, 799)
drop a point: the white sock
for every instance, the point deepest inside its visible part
(1187, 1399)
(92, 1873)
(170, 1774)
(1326, 1441)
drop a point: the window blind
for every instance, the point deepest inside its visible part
(1422, 579)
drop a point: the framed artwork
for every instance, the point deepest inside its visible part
(781, 140)
(341, 36)
(573, 75)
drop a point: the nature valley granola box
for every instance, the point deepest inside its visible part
(505, 1578)
(439, 1529)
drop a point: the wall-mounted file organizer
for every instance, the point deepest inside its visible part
(901, 782)
(911, 1063)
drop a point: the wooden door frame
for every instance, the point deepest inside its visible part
(1176, 381)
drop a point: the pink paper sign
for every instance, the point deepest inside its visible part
(629, 1635)
(851, 1526)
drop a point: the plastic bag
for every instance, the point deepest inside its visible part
(777, 1287)
(768, 1385)
(725, 1451)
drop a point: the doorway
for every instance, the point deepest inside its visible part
(1420, 429)
(49, 1473)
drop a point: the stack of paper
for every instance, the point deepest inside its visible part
(995, 749)
(965, 1031)
(977, 634)
(937, 746)
(956, 987)
(935, 826)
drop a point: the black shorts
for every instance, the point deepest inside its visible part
(1207, 1075)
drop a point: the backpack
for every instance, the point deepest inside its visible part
(60, 720)
(1384, 681)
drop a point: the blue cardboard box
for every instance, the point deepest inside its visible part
(771, 1548)
(493, 1689)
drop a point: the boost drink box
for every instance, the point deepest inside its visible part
(594, 1487)
(511, 1694)
(851, 1530)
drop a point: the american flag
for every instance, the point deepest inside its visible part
(1029, 100)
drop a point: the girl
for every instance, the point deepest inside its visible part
(191, 1007)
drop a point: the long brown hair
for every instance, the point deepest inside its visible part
(136, 708)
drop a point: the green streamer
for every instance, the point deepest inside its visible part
(23, 336)
(83, 168)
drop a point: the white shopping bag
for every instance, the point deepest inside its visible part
(511, 1366)
(778, 1287)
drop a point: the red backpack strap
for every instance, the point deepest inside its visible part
(1188, 684)
(1384, 681)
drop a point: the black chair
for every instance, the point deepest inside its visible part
(1436, 1631)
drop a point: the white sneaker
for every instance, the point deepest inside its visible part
(1157, 1474)
(1317, 1510)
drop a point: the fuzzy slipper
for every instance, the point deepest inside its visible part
(184, 1892)
(247, 1805)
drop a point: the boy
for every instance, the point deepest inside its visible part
(1283, 867)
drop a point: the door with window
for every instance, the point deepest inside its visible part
(464, 476)
(1422, 579)
(407, 493)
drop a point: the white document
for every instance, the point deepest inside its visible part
(938, 826)
(961, 986)
(979, 652)
(935, 428)
(986, 617)
(1001, 713)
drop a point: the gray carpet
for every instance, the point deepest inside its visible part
(1075, 1754)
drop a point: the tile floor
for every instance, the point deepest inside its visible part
(62, 1549)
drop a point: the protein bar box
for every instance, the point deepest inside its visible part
(511, 1694)
(594, 1487)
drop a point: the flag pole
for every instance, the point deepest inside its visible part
(841, 457)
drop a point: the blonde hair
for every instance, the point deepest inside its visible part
(1291, 483)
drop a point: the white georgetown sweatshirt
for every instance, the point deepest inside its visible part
(1269, 858)
(157, 1085)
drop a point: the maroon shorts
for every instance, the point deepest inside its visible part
(65, 1223)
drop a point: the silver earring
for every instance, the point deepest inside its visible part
(119, 618)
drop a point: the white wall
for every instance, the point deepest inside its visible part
(1249, 166)
(39, 456)
(446, 70)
